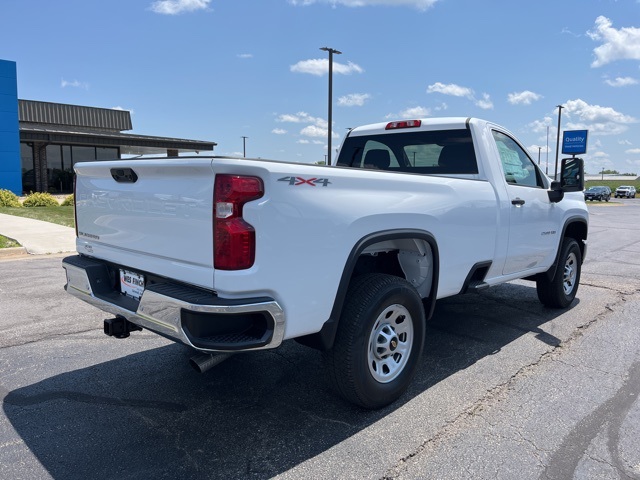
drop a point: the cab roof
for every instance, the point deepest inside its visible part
(426, 124)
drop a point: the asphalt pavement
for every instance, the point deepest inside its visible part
(35, 236)
(506, 389)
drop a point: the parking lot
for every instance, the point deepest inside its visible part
(506, 389)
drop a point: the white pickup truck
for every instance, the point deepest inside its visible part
(230, 255)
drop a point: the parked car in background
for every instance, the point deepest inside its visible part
(627, 191)
(597, 193)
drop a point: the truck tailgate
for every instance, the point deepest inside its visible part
(154, 216)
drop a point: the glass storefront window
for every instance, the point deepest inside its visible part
(58, 181)
(83, 154)
(106, 153)
(28, 172)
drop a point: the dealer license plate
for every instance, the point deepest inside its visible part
(131, 284)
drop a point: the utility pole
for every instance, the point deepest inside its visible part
(244, 146)
(555, 174)
(331, 52)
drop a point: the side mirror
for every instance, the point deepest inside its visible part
(572, 175)
(571, 179)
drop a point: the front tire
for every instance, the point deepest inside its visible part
(379, 341)
(560, 291)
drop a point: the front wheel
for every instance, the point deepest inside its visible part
(560, 291)
(379, 341)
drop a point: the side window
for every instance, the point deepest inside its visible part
(518, 168)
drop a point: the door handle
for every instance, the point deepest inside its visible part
(518, 202)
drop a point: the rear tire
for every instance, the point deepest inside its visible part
(560, 291)
(379, 341)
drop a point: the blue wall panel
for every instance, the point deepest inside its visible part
(10, 174)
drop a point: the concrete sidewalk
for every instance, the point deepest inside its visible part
(35, 236)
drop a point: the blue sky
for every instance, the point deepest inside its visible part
(219, 70)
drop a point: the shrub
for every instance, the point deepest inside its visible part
(40, 200)
(9, 199)
(68, 202)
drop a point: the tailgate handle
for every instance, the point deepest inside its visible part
(124, 175)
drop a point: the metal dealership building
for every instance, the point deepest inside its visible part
(41, 141)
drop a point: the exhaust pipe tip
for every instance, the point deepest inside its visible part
(202, 363)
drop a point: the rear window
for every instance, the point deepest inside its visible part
(439, 152)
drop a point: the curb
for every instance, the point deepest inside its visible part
(13, 252)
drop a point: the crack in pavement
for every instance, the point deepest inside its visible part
(448, 429)
(566, 458)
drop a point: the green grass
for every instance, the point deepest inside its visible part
(612, 184)
(8, 242)
(60, 215)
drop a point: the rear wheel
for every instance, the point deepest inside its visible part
(379, 341)
(560, 291)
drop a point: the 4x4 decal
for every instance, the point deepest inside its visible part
(295, 181)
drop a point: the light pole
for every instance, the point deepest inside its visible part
(244, 146)
(331, 52)
(555, 173)
(547, 170)
(539, 150)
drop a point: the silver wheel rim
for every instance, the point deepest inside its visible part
(390, 343)
(570, 273)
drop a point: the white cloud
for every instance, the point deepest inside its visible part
(579, 115)
(175, 7)
(458, 91)
(450, 89)
(540, 126)
(279, 131)
(624, 142)
(74, 84)
(485, 102)
(301, 117)
(633, 151)
(621, 82)
(354, 100)
(523, 98)
(245, 55)
(622, 44)
(317, 127)
(320, 66)
(421, 5)
(409, 113)
(316, 131)
(303, 141)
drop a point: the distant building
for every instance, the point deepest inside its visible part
(41, 141)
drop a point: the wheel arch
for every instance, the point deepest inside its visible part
(576, 228)
(323, 340)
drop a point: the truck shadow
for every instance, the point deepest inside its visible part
(149, 415)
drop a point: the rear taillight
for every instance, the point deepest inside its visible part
(234, 239)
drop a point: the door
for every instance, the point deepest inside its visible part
(533, 230)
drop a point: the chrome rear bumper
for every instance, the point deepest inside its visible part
(179, 312)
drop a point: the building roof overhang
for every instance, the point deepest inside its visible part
(128, 143)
